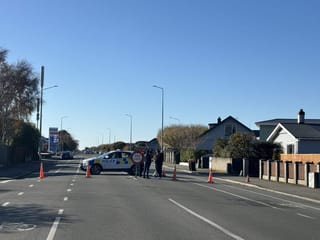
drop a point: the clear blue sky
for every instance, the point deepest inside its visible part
(254, 60)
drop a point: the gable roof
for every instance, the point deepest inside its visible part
(214, 125)
(274, 122)
(298, 131)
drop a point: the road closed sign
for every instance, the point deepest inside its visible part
(137, 157)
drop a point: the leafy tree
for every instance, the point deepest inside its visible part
(182, 136)
(18, 99)
(221, 148)
(240, 145)
(67, 142)
(26, 135)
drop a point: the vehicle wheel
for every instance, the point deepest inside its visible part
(95, 169)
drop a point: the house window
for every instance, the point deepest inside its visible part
(229, 130)
(290, 149)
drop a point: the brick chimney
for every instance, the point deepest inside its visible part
(301, 116)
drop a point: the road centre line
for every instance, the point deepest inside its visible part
(238, 196)
(65, 199)
(20, 193)
(213, 224)
(31, 185)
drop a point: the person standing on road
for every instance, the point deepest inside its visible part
(159, 162)
(147, 164)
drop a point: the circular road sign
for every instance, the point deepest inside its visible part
(137, 157)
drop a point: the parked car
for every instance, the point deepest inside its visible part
(66, 155)
(111, 161)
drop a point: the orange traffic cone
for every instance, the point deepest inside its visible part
(163, 172)
(174, 178)
(248, 179)
(88, 174)
(210, 180)
(41, 175)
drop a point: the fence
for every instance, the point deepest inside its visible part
(288, 172)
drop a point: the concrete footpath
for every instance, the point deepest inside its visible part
(297, 191)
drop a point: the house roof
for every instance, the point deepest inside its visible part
(214, 125)
(274, 122)
(299, 131)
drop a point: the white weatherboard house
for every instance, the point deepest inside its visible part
(300, 137)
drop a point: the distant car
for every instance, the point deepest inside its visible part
(66, 155)
(117, 160)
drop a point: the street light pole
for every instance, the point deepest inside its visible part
(109, 134)
(41, 100)
(177, 119)
(130, 116)
(162, 113)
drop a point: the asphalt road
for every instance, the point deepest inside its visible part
(67, 205)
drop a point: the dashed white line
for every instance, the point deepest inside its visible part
(60, 212)
(65, 199)
(69, 190)
(20, 193)
(31, 185)
(238, 196)
(213, 224)
(5, 204)
(71, 184)
(305, 216)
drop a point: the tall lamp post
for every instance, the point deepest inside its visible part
(41, 103)
(109, 129)
(162, 113)
(130, 116)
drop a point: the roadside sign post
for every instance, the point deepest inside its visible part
(137, 158)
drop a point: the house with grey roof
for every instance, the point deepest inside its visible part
(266, 127)
(300, 137)
(221, 129)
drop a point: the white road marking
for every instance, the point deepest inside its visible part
(289, 203)
(65, 199)
(69, 190)
(55, 225)
(73, 180)
(238, 196)
(5, 204)
(305, 216)
(269, 190)
(31, 185)
(6, 181)
(54, 228)
(213, 224)
(20, 193)
(71, 184)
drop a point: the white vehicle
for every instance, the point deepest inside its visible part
(111, 161)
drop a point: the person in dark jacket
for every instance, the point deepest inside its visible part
(159, 162)
(147, 164)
